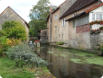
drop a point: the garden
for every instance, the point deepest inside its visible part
(17, 59)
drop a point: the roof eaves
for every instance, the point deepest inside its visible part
(93, 8)
(66, 13)
(76, 16)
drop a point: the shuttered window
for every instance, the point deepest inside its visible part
(97, 16)
(81, 21)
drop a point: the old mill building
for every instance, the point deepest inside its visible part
(77, 23)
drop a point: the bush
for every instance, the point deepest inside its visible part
(59, 43)
(12, 34)
(3, 45)
(101, 28)
(22, 54)
(14, 30)
(2, 33)
(13, 42)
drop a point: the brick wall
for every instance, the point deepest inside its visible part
(83, 28)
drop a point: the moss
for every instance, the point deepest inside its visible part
(96, 60)
(86, 58)
(59, 43)
(76, 60)
(81, 56)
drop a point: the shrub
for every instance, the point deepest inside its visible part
(14, 30)
(101, 28)
(3, 45)
(12, 34)
(2, 33)
(22, 54)
(13, 42)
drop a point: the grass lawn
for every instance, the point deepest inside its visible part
(8, 70)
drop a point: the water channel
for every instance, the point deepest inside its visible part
(65, 63)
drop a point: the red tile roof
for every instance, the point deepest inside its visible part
(79, 4)
(94, 7)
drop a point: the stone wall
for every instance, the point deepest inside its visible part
(43, 36)
(96, 40)
(10, 15)
(74, 36)
(80, 40)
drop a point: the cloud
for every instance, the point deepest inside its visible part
(57, 2)
(22, 7)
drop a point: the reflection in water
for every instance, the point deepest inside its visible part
(62, 67)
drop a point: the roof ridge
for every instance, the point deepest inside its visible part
(15, 13)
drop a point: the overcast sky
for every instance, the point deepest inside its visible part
(22, 7)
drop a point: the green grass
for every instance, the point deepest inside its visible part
(8, 70)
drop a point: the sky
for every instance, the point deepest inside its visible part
(22, 7)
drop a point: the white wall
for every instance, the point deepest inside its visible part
(98, 10)
(93, 13)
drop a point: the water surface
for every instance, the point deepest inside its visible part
(65, 63)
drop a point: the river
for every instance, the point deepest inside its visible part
(65, 63)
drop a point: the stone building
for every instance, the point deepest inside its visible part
(43, 36)
(76, 24)
(57, 27)
(10, 15)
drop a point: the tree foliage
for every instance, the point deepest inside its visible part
(40, 10)
(38, 15)
(12, 34)
(13, 29)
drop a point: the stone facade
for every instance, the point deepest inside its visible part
(10, 15)
(43, 36)
(76, 32)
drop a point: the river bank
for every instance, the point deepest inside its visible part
(9, 70)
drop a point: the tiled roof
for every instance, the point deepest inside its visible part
(94, 7)
(79, 4)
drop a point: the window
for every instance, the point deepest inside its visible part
(74, 23)
(81, 21)
(56, 17)
(63, 22)
(97, 16)
(93, 17)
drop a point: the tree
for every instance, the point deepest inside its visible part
(41, 10)
(38, 17)
(13, 29)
